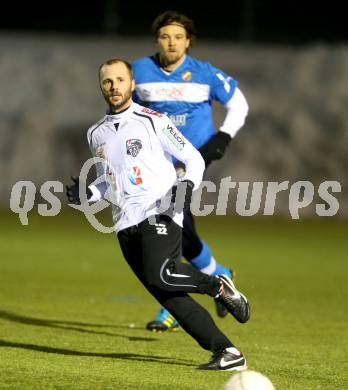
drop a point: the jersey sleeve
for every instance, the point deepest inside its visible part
(100, 185)
(175, 144)
(222, 86)
(237, 110)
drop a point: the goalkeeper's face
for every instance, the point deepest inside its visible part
(172, 43)
(117, 85)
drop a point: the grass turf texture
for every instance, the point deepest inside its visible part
(68, 298)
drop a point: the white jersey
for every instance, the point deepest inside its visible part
(136, 147)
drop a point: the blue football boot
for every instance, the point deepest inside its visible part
(163, 321)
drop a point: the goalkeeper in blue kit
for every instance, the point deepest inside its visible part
(183, 88)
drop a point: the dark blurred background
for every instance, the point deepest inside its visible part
(254, 21)
(290, 59)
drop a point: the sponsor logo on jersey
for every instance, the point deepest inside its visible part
(135, 176)
(179, 119)
(133, 147)
(178, 91)
(175, 137)
(145, 93)
(100, 152)
(186, 76)
(173, 93)
(151, 112)
(163, 93)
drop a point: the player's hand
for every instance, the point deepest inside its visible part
(216, 147)
(73, 191)
(182, 195)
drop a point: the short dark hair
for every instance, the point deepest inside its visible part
(174, 17)
(115, 61)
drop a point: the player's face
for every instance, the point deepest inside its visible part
(117, 85)
(172, 43)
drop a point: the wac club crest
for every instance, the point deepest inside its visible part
(133, 146)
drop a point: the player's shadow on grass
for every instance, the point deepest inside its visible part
(65, 325)
(123, 356)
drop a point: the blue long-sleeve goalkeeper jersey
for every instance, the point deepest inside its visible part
(185, 95)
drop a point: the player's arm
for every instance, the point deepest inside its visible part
(174, 143)
(237, 110)
(99, 187)
(94, 191)
(224, 90)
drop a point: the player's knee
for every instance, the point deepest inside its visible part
(158, 285)
(161, 280)
(158, 282)
(154, 281)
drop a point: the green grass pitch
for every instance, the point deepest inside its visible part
(72, 314)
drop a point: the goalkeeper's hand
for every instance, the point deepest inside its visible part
(215, 148)
(73, 191)
(182, 195)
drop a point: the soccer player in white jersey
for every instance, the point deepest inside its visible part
(183, 87)
(135, 146)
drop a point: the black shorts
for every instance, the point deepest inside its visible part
(153, 251)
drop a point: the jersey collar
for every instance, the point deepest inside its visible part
(120, 115)
(175, 70)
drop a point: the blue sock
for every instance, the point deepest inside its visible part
(206, 263)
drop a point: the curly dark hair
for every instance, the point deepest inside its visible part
(174, 17)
